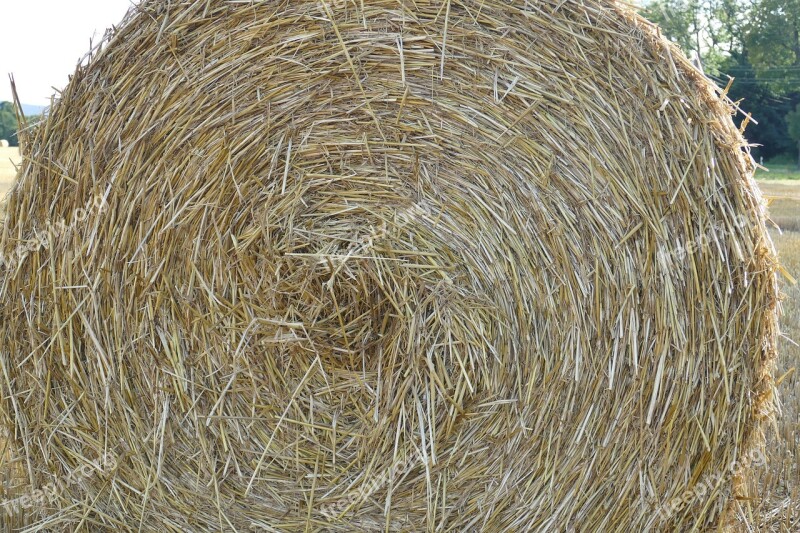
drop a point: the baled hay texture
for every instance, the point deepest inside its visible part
(386, 265)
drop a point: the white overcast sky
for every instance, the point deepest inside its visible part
(41, 41)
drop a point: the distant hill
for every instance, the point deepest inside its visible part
(31, 110)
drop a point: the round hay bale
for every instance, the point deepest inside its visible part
(355, 266)
(3, 143)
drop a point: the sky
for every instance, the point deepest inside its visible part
(41, 42)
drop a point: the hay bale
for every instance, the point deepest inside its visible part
(304, 266)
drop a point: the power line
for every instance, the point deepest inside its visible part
(737, 81)
(792, 79)
(771, 67)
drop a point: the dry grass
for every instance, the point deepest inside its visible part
(413, 262)
(784, 203)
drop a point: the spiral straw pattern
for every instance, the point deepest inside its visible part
(390, 265)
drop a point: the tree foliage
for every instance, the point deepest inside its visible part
(768, 133)
(709, 29)
(773, 38)
(793, 123)
(8, 123)
(756, 42)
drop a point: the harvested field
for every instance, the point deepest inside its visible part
(8, 158)
(775, 498)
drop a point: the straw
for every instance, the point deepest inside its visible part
(401, 266)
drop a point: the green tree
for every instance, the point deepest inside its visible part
(773, 41)
(768, 134)
(708, 29)
(793, 122)
(8, 123)
(678, 19)
(756, 42)
(730, 17)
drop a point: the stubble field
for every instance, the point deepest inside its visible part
(7, 171)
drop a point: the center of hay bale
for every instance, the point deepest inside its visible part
(345, 306)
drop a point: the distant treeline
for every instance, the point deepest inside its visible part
(8, 123)
(756, 42)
